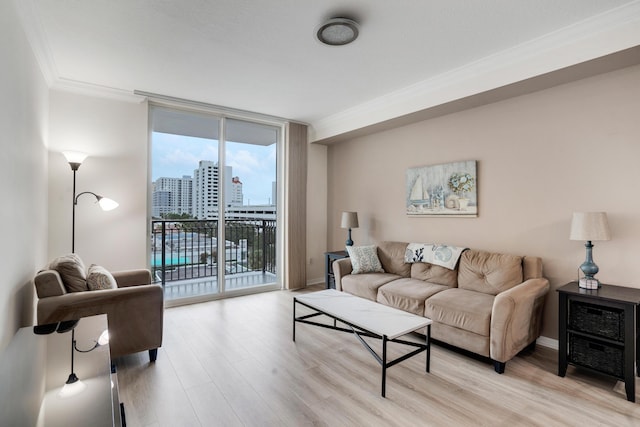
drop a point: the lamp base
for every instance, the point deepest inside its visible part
(589, 283)
(72, 378)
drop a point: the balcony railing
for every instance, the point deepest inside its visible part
(188, 249)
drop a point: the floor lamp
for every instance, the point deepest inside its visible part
(75, 159)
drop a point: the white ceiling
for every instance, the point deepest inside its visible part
(262, 56)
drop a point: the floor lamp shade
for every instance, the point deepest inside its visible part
(75, 159)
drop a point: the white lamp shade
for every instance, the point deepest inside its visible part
(75, 156)
(107, 204)
(349, 220)
(104, 337)
(589, 226)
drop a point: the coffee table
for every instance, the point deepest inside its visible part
(365, 318)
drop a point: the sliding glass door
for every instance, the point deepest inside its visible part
(250, 214)
(213, 204)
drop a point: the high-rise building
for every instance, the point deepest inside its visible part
(161, 203)
(172, 195)
(274, 193)
(205, 189)
(236, 198)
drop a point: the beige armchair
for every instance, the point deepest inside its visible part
(134, 307)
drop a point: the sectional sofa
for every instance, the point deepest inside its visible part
(488, 303)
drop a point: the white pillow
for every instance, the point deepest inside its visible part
(99, 278)
(364, 259)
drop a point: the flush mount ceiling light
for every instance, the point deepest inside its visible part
(338, 31)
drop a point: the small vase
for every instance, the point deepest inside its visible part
(463, 203)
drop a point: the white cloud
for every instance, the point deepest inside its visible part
(175, 156)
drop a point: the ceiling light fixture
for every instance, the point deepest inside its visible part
(338, 31)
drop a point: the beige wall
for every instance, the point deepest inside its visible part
(23, 166)
(316, 212)
(541, 156)
(114, 134)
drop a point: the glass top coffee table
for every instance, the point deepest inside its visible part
(365, 318)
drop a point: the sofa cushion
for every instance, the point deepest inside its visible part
(391, 256)
(408, 294)
(99, 278)
(460, 338)
(366, 285)
(461, 308)
(364, 259)
(72, 272)
(488, 272)
(434, 274)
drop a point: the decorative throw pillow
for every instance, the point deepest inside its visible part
(364, 259)
(99, 278)
(72, 272)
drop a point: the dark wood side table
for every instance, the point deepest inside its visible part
(329, 257)
(598, 330)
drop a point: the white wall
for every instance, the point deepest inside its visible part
(23, 168)
(541, 156)
(114, 134)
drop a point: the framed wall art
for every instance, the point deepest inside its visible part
(448, 189)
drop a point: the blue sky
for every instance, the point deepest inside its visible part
(174, 156)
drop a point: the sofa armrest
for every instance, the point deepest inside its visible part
(134, 313)
(128, 278)
(516, 317)
(341, 268)
(48, 283)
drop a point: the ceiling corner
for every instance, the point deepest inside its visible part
(33, 29)
(610, 32)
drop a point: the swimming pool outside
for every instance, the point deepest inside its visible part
(170, 261)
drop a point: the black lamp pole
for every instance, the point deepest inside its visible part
(74, 168)
(72, 376)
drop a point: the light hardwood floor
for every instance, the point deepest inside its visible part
(233, 363)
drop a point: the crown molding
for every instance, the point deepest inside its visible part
(35, 36)
(33, 29)
(609, 32)
(91, 89)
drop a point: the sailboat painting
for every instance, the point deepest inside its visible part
(419, 196)
(448, 189)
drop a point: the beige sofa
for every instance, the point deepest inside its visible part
(134, 307)
(490, 304)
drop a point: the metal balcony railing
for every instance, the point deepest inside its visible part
(188, 249)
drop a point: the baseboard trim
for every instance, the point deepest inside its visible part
(317, 281)
(548, 342)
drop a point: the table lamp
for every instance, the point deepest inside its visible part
(349, 220)
(589, 226)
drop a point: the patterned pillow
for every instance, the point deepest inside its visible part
(364, 259)
(71, 270)
(99, 278)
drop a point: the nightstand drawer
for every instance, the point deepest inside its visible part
(607, 322)
(596, 355)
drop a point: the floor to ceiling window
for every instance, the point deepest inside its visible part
(214, 198)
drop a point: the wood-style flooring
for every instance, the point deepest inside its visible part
(233, 363)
